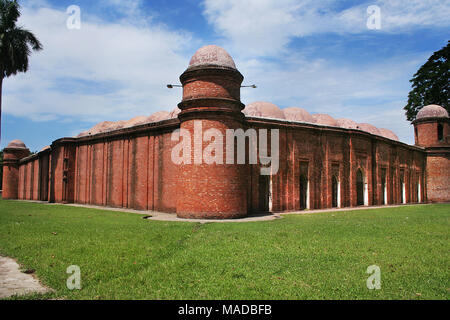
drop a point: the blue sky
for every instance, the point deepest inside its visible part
(318, 55)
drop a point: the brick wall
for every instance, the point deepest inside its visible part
(133, 169)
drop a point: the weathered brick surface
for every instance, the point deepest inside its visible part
(437, 156)
(318, 165)
(137, 172)
(438, 178)
(11, 171)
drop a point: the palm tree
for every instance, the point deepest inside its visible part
(16, 44)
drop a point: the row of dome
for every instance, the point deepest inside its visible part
(256, 109)
(269, 110)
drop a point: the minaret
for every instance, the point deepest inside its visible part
(12, 154)
(432, 131)
(211, 100)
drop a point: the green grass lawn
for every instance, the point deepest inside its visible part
(312, 256)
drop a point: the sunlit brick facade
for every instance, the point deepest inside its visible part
(322, 163)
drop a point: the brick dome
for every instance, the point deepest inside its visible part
(264, 110)
(388, 134)
(118, 125)
(369, 128)
(45, 148)
(16, 144)
(101, 127)
(212, 56)
(159, 116)
(324, 119)
(297, 114)
(432, 111)
(136, 121)
(347, 123)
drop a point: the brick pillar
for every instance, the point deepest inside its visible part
(432, 131)
(62, 171)
(211, 100)
(12, 154)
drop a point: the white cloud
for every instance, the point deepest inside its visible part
(265, 27)
(106, 70)
(118, 70)
(370, 94)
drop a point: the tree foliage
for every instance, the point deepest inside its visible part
(16, 42)
(430, 85)
(1, 170)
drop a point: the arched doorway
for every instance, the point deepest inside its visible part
(359, 188)
(419, 194)
(383, 190)
(335, 192)
(402, 191)
(265, 193)
(303, 192)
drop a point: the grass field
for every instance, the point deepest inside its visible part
(312, 256)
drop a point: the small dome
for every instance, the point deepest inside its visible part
(347, 123)
(174, 113)
(16, 144)
(118, 125)
(432, 111)
(369, 128)
(101, 127)
(388, 134)
(212, 55)
(159, 116)
(45, 148)
(136, 121)
(264, 110)
(324, 119)
(297, 114)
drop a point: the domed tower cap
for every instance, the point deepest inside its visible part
(16, 144)
(211, 55)
(432, 111)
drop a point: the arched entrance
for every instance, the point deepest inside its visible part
(303, 192)
(335, 192)
(265, 193)
(383, 190)
(402, 191)
(359, 188)
(419, 195)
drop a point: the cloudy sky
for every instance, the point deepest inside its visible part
(318, 55)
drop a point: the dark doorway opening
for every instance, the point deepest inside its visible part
(303, 192)
(402, 191)
(264, 193)
(383, 190)
(440, 132)
(359, 188)
(334, 187)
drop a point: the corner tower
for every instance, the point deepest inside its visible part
(211, 100)
(12, 154)
(432, 131)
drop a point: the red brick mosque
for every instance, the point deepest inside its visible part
(323, 162)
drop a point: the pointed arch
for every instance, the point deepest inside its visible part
(304, 192)
(360, 188)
